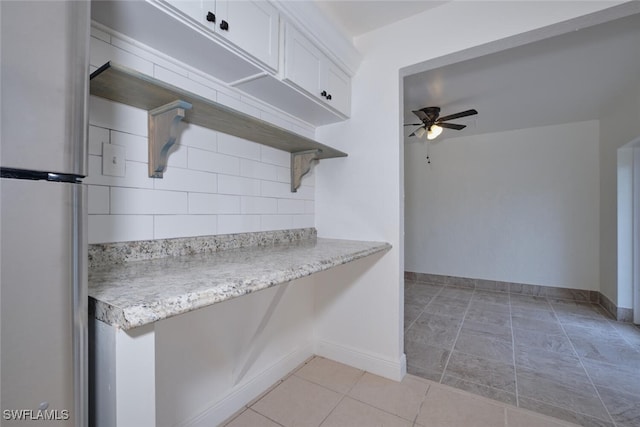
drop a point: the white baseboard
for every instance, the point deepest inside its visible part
(370, 362)
(244, 393)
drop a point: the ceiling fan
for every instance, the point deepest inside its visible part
(432, 124)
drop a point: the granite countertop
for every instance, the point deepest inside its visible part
(133, 294)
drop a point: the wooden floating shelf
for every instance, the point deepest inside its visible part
(121, 84)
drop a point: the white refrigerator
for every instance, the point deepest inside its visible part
(43, 245)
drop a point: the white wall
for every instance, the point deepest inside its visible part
(211, 362)
(519, 206)
(361, 196)
(214, 183)
(624, 219)
(619, 125)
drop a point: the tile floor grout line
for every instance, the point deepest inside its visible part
(424, 399)
(513, 354)
(455, 341)
(583, 367)
(423, 309)
(624, 338)
(341, 399)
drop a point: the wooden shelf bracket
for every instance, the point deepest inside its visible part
(301, 162)
(163, 132)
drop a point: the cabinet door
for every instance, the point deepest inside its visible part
(196, 9)
(303, 62)
(253, 26)
(338, 86)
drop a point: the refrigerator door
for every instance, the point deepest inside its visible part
(43, 313)
(44, 79)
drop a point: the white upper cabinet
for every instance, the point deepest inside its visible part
(252, 46)
(338, 87)
(312, 71)
(193, 8)
(252, 26)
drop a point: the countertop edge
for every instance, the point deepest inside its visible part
(131, 317)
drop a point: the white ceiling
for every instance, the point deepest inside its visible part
(356, 17)
(567, 78)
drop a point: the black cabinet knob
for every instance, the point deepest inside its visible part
(323, 93)
(224, 25)
(211, 17)
(329, 96)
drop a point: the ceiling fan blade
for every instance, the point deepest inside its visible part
(451, 126)
(421, 115)
(458, 115)
(413, 124)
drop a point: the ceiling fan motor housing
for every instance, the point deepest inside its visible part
(432, 114)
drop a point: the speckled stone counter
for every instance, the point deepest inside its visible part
(131, 294)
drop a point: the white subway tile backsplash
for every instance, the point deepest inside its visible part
(238, 105)
(178, 157)
(137, 147)
(276, 189)
(228, 184)
(211, 82)
(309, 207)
(254, 169)
(239, 147)
(278, 119)
(303, 221)
(259, 205)
(305, 192)
(200, 203)
(121, 117)
(184, 83)
(177, 179)
(136, 201)
(149, 56)
(290, 206)
(98, 202)
(276, 222)
(213, 162)
(275, 157)
(97, 136)
(102, 52)
(283, 174)
(214, 183)
(200, 137)
(171, 226)
(120, 228)
(228, 224)
(170, 202)
(136, 175)
(131, 201)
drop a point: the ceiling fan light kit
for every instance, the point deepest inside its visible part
(433, 132)
(433, 125)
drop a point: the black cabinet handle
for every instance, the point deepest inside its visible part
(329, 97)
(324, 93)
(224, 25)
(211, 17)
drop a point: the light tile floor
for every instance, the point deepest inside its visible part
(561, 358)
(326, 393)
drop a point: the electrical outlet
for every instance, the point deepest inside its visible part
(113, 159)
